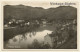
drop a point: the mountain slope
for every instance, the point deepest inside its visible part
(32, 13)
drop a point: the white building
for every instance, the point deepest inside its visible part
(28, 23)
(5, 25)
(44, 22)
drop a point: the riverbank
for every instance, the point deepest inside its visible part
(70, 44)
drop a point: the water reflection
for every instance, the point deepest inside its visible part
(24, 40)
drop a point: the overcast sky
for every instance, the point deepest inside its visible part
(45, 4)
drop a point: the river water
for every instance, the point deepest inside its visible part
(23, 40)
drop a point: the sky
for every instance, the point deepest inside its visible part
(43, 4)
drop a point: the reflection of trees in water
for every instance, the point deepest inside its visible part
(32, 33)
(14, 40)
(20, 38)
(23, 37)
(37, 45)
(46, 46)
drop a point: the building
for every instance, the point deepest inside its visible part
(28, 23)
(37, 22)
(12, 21)
(44, 22)
(6, 25)
(75, 21)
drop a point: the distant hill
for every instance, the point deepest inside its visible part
(63, 12)
(32, 13)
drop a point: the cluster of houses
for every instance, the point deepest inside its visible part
(61, 35)
(14, 22)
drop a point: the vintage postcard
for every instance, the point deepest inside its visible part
(39, 25)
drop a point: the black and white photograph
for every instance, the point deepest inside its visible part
(39, 25)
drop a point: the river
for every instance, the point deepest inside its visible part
(23, 40)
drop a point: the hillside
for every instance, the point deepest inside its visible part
(32, 13)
